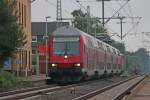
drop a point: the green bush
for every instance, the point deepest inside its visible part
(7, 80)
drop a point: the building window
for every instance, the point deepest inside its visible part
(40, 38)
(34, 38)
(33, 51)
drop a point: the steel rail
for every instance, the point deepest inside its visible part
(20, 94)
(127, 91)
(35, 92)
(94, 93)
(24, 90)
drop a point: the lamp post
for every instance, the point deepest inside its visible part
(46, 37)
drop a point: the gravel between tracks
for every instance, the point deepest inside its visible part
(70, 93)
(116, 92)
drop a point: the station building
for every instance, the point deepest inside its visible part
(38, 34)
(21, 61)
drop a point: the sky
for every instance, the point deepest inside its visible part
(137, 29)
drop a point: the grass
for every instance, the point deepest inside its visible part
(7, 80)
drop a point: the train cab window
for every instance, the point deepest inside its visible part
(100, 45)
(104, 47)
(66, 45)
(114, 51)
(108, 49)
(118, 53)
(89, 42)
(111, 49)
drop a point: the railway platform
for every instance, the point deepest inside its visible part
(33, 78)
(141, 91)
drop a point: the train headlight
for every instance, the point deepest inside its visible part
(65, 56)
(54, 65)
(78, 65)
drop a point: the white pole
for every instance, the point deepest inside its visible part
(46, 47)
(37, 64)
(26, 73)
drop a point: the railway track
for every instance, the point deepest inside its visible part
(113, 92)
(29, 92)
(24, 93)
(15, 95)
(54, 91)
(2, 94)
(140, 92)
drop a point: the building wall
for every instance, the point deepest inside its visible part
(38, 33)
(22, 57)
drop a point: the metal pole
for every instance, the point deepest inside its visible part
(103, 21)
(87, 25)
(37, 64)
(121, 26)
(46, 47)
(95, 31)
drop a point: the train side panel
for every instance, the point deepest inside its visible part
(95, 57)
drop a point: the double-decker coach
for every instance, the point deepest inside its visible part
(75, 55)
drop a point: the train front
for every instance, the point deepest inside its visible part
(65, 61)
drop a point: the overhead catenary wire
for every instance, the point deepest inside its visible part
(130, 10)
(117, 11)
(81, 5)
(112, 8)
(135, 25)
(123, 9)
(109, 28)
(129, 14)
(74, 2)
(51, 3)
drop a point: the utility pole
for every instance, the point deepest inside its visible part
(46, 36)
(59, 13)
(103, 11)
(88, 11)
(121, 18)
(32, 1)
(88, 17)
(121, 26)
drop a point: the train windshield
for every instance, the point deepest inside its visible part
(66, 45)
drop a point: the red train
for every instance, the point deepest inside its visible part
(75, 56)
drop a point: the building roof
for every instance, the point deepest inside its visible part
(66, 31)
(39, 28)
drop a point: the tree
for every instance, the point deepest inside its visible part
(90, 25)
(144, 59)
(138, 60)
(119, 46)
(87, 23)
(11, 33)
(93, 26)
